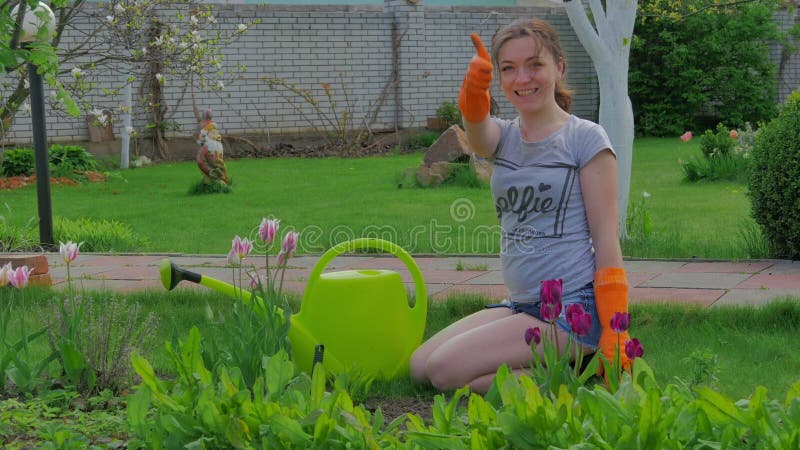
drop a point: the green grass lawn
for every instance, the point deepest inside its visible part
(331, 200)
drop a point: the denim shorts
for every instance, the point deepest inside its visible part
(584, 296)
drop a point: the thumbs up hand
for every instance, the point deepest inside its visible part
(474, 99)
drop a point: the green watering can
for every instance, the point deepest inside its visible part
(359, 319)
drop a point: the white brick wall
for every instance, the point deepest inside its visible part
(311, 45)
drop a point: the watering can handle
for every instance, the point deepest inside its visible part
(421, 299)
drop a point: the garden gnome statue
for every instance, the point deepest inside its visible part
(209, 157)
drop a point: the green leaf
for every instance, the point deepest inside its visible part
(719, 408)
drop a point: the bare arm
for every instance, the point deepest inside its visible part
(483, 137)
(599, 189)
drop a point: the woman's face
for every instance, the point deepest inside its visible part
(528, 74)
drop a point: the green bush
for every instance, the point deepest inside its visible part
(775, 180)
(73, 157)
(449, 112)
(693, 66)
(422, 140)
(17, 162)
(65, 161)
(722, 159)
(719, 144)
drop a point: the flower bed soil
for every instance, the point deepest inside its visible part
(8, 183)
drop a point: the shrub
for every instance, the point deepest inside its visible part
(722, 159)
(693, 66)
(449, 112)
(17, 162)
(73, 157)
(422, 140)
(775, 180)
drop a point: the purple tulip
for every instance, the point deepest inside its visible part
(634, 349)
(620, 322)
(268, 229)
(581, 324)
(550, 297)
(574, 310)
(20, 276)
(533, 334)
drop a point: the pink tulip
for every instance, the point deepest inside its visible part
(620, 322)
(268, 229)
(533, 334)
(241, 247)
(4, 273)
(281, 258)
(574, 310)
(686, 137)
(290, 243)
(69, 251)
(634, 349)
(20, 276)
(550, 297)
(233, 258)
(581, 324)
(734, 134)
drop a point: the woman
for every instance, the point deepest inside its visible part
(555, 190)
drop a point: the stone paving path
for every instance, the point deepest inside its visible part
(711, 283)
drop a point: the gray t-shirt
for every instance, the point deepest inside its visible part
(537, 195)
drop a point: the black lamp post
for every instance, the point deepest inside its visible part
(32, 23)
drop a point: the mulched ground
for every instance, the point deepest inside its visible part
(8, 183)
(392, 408)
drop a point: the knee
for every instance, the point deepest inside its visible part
(418, 365)
(444, 374)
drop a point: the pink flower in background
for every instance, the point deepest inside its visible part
(550, 297)
(290, 243)
(620, 322)
(533, 334)
(686, 137)
(634, 349)
(4, 273)
(268, 229)
(734, 134)
(20, 276)
(69, 251)
(242, 247)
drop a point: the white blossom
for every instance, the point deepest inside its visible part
(160, 77)
(241, 28)
(159, 41)
(212, 19)
(76, 72)
(646, 194)
(220, 85)
(99, 116)
(193, 19)
(26, 83)
(109, 19)
(26, 108)
(119, 8)
(129, 130)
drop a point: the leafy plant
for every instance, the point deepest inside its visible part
(422, 140)
(774, 184)
(18, 161)
(449, 113)
(74, 157)
(712, 60)
(98, 235)
(722, 159)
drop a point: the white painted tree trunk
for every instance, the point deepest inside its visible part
(124, 156)
(607, 41)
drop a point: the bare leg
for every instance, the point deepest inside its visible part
(470, 351)
(419, 359)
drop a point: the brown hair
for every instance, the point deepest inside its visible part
(545, 36)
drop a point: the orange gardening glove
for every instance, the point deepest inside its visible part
(474, 99)
(611, 296)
